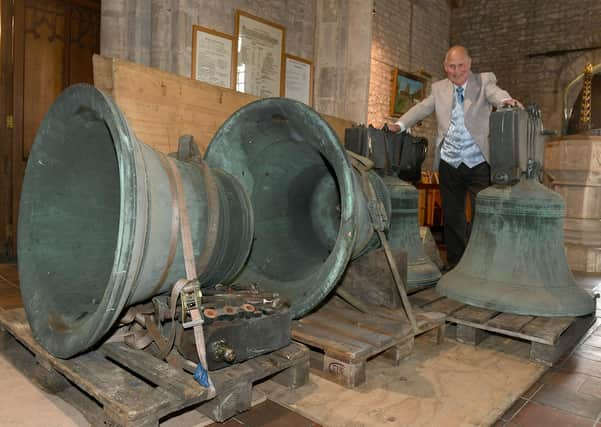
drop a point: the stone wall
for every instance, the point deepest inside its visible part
(535, 48)
(343, 44)
(159, 32)
(412, 36)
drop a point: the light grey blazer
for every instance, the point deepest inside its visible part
(481, 94)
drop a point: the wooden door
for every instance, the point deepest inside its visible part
(6, 125)
(54, 41)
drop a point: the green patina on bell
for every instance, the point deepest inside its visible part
(404, 233)
(515, 261)
(276, 203)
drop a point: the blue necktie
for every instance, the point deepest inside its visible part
(459, 91)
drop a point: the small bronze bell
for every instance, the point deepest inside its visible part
(404, 233)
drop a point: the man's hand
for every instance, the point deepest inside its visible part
(393, 127)
(513, 103)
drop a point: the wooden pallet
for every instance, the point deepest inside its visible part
(119, 386)
(343, 339)
(549, 337)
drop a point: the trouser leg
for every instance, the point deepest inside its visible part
(452, 193)
(477, 179)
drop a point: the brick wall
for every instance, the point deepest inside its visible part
(502, 35)
(412, 36)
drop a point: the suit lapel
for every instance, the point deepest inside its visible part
(471, 92)
(448, 96)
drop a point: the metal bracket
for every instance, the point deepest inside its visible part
(187, 149)
(191, 299)
(377, 213)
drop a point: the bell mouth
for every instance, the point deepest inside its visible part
(302, 189)
(75, 203)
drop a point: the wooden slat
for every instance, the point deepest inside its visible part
(487, 327)
(15, 322)
(510, 322)
(550, 354)
(346, 329)
(367, 321)
(548, 328)
(276, 361)
(10, 273)
(114, 387)
(342, 348)
(161, 373)
(445, 305)
(419, 299)
(260, 367)
(474, 314)
(429, 317)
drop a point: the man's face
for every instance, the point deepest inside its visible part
(457, 66)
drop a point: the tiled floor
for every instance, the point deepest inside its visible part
(569, 394)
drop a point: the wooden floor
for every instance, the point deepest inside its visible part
(568, 394)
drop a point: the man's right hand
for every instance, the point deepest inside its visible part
(393, 127)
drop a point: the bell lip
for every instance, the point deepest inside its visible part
(84, 333)
(347, 233)
(584, 303)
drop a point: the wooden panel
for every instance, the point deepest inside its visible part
(341, 348)
(474, 314)
(548, 328)
(6, 60)
(419, 299)
(346, 329)
(84, 42)
(53, 44)
(110, 384)
(510, 322)
(161, 106)
(550, 354)
(445, 305)
(366, 321)
(45, 37)
(161, 373)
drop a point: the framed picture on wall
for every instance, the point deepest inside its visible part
(212, 57)
(299, 79)
(260, 56)
(407, 90)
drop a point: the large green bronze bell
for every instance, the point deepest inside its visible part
(98, 217)
(515, 261)
(404, 234)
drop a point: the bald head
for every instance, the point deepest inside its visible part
(457, 64)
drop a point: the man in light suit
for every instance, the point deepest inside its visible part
(462, 103)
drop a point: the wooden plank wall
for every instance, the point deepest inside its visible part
(161, 106)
